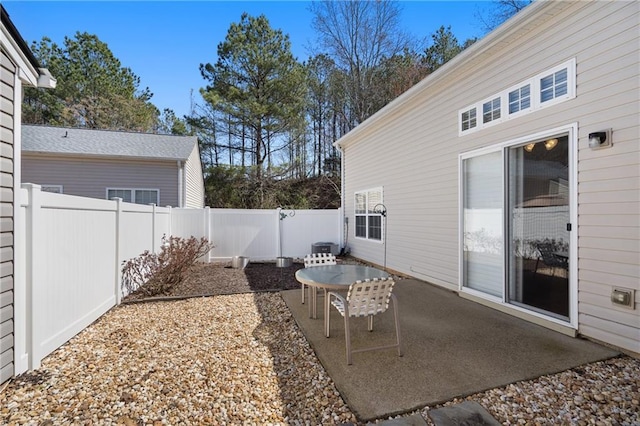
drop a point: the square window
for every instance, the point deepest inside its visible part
(125, 194)
(138, 196)
(469, 119)
(491, 110)
(520, 99)
(147, 196)
(554, 85)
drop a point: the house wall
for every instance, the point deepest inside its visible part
(89, 177)
(194, 180)
(7, 149)
(411, 149)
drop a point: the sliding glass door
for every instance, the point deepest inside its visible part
(482, 224)
(538, 220)
(516, 223)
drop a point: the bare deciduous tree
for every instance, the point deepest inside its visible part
(358, 35)
(500, 11)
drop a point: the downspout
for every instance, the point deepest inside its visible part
(180, 184)
(343, 218)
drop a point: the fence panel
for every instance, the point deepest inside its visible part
(70, 256)
(306, 227)
(71, 249)
(162, 225)
(251, 233)
(140, 230)
(267, 234)
(187, 223)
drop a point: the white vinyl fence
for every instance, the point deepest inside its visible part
(70, 250)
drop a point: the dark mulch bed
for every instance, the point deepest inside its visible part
(209, 279)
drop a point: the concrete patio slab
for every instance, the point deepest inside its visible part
(452, 347)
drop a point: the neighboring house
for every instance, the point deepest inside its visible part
(18, 68)
(498, 182)
(141, 168)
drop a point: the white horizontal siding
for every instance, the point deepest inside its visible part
(7, 258)
(411, 149)
(89, 177)
(194, 180)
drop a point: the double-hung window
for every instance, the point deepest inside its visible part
(138, 196)
(368, 214)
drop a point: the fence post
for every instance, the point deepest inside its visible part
(170, 230)
(207, 229)
(153, 228)
(119, 240)
(33, 275)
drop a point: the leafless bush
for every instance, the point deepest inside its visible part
(155, 274)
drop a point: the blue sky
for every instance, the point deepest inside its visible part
(164, 42)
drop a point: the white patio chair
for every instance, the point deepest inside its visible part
(317, 259)
(366, 298)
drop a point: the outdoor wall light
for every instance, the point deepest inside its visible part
(599, 140)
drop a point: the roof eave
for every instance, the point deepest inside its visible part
(100, 156)
(41, 76)
(466, 56)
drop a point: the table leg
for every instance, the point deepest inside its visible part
(314, 303)
(326, 314)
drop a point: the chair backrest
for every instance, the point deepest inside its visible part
(369, 297)
(317, 259)
(548, 256)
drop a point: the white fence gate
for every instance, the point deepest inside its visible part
(70, 250)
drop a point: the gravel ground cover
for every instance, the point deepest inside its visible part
(241, 359)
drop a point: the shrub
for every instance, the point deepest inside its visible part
(153, 274)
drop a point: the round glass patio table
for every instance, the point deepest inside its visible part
(333, 277)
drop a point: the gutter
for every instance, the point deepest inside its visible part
(343, 215)
(45, 79)
(181, 181)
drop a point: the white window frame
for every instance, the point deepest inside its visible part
(571, 84)
(54, 189)
(133, 193)
(368, 214)
(518, 88)
(492, 110)
(535, 100)
(474, 109)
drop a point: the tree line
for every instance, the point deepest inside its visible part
(267, 122)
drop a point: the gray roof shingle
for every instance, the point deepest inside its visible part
(105, 143)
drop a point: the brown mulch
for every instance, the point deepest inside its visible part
(210, 279)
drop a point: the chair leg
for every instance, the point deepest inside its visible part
(396, 317)
(370, 323)
(327, 314)
(347, 337)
